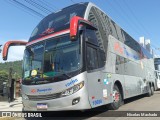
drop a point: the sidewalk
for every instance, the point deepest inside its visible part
(16, 105)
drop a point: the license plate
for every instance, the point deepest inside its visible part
(42, 106)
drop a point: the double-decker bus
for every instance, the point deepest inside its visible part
(78, 58)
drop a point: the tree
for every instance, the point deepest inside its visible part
(3, 76)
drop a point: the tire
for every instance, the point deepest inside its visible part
(149, 94)
(152, 90)
(117, 99)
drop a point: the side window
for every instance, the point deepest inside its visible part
(156, 74)
(119, 65)
(101, 58)
(92, 59)
(91, 36)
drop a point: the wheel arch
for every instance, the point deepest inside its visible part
(119, 85)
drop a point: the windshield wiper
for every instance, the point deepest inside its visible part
(64, 73)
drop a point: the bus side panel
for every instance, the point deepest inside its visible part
(126, 66)
(134, 86)
(94, 86)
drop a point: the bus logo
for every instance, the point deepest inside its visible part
(47, 31)
(41, 90)
(33, 90)
(71, 82)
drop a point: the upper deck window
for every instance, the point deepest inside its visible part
(57, 21)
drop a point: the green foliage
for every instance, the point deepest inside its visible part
(16, 67)
(3, 76)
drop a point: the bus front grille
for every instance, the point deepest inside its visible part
(44, 97)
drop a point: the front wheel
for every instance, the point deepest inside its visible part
(149, 91)
(152, 90)
(117, 99)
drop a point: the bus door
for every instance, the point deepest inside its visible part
(94, 81)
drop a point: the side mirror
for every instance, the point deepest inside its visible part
(75, 23)
(8, 44)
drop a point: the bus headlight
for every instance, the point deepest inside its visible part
(24, 96)
(73, 89)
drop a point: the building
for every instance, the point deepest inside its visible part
(142, 41)
(148, 45)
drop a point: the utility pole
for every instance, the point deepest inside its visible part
(9, 84)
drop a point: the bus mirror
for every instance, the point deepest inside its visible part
(8, 44)
(74, 26)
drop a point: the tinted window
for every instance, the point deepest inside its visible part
(146, 54)
(119, 67)
(91, 36)
(101, 58)
(92, 59)
(130, 42)
(57, 21)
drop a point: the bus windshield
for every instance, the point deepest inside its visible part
(50, 59)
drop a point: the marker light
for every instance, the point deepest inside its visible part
(75, 101)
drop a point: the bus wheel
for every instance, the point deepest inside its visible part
(152, 90)
(149, 91)
(117, 98)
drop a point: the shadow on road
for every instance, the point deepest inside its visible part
(15, 104)
(96, 112)
(157, 92)
(73, 115)
(129, 100)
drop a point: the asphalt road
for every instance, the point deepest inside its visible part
(133, 109)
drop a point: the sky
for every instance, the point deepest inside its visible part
(136, 17)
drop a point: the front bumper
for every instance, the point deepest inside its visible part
(60, 104)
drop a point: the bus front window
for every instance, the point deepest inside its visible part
(55, 59)
(33, 58)
(61, 56)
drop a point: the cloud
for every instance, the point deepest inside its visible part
(15, 53)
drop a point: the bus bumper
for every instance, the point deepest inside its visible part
(60, 104)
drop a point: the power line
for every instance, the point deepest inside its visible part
(117, 10)
(50, 4)
(23, 9)
(51, 7)
(133, 23)
(139, 23)
(72, 1)
(28, 8)
(38, 6)
(135, 17)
